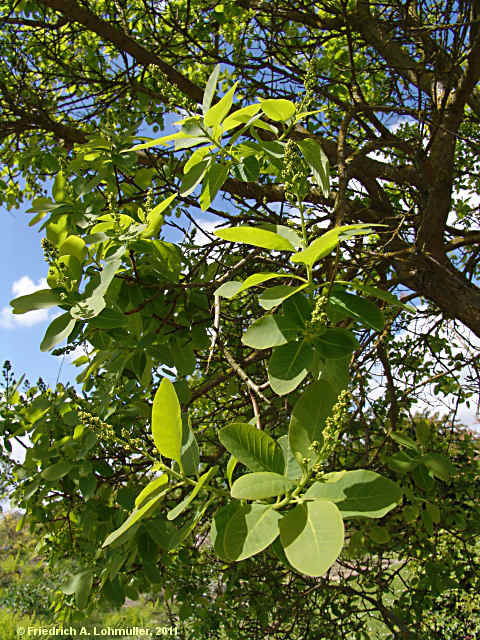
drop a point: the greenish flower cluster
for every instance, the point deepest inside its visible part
(294, 174)
(319, 318)
(50, 251)
(334, 424)
(310, 83)
(98, 426)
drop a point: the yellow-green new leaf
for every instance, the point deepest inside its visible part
(181, 506)
(133, 518)
(217, 113)
(152, 489)
(327, 242)
(155, 217)
(255, 236)
(167, 421)
(279, 110)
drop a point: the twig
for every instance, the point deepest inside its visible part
(241, 373)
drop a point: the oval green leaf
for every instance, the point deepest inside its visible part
(308, 418)
(269, 331)
(250, 529)
(252, 447)
(358, 494)
(279, 109)
(258, 486)
(167, 421)
(288, 366)
(312, 536)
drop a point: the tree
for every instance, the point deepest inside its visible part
(317, 87)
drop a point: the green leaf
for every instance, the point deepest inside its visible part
(298, 310)
(156, 142)
(56, 471)
(189, 454)
(249, 529)
(335, 343)
(271, 298)
(210, 89)
(42, 299)
(73, 246)
(80, 585)
(252, 447)
(193, 177)
(232, 463)
(312, 536)
(255, 236)
(196, 158)
(214, 178)
(269, 331)
(258, 278)
(187, 142)
(327, 242)
(218, 529)
(94, 304)
(358, 308)
(109, 319)
(217, 113)
(279, 110)
(288, 366)
(184, 504)
(167, 421)
(402, 463)
(287, 232)
(318, 163)
(155, 217)
(58, 189)
(134, 518)
(152, 489)
(336, 372)
(375, 292)
(241, 116)
(261, 485)
(308, 418)
(59, 329)
(439, 465)
(228, 289)
(358, 494)
(292, 468)
(405, 441)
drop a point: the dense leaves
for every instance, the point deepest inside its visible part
(244, 389)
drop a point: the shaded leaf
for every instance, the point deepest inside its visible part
(269, 331)
(288, 366)
(308, 418)
(249, 529)
(42, 299)
(57, 331)
(358, 494)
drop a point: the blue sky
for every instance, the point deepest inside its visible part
(23, 269)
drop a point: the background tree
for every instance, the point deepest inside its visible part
(394, 109)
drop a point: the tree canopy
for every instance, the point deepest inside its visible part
(247, 388)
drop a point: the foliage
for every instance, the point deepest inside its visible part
(226, 427)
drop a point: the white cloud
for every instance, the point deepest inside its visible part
(207, 227)
(22, 287)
